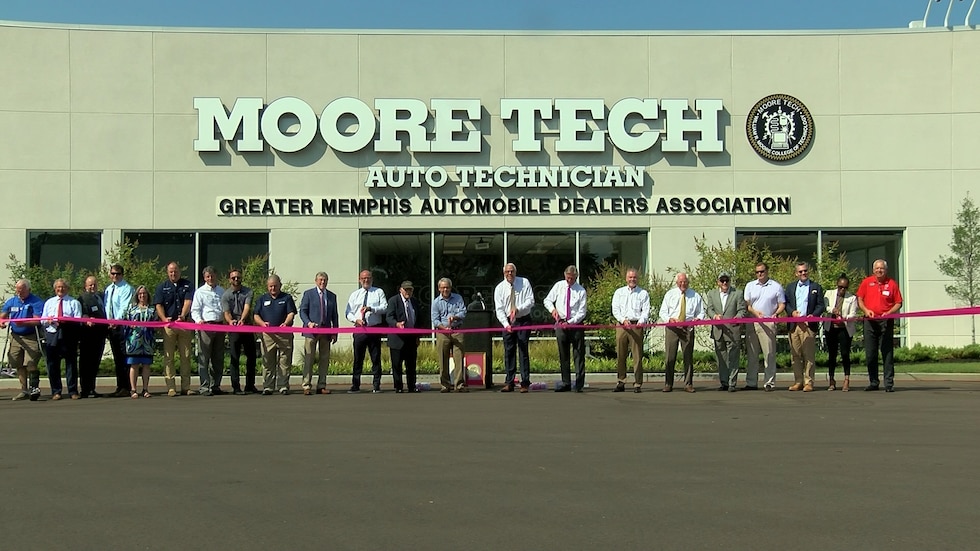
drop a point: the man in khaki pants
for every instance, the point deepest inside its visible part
(630, 307)
(804, 298)
(172, 300)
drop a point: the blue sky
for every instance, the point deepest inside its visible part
(490, 14)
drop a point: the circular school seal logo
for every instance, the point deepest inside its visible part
(779, 127)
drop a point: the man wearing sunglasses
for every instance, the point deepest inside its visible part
(726, 302)
(804, 298)
(764, 298)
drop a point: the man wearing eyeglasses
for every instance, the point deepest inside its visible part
(118, 296)
(764, 298)
(804, 299)
(236, 305)
(725, 303)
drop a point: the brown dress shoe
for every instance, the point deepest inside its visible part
(507, 388)
(795, 387)
(323, 391)
(523, 389)
(462, 388)
(689, 388)
(668, 388)
(808, 388)
(307, 392)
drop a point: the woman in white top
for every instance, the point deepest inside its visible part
(841, 304)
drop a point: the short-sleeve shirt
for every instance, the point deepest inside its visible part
(172, 295)
(15, 308)
(234, 302)
(274, 310)
(764, 297)
(879, 297)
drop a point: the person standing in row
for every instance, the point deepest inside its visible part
(276, 309)
(118, 296)
(725, 302)
(680, 304)
(764, 298)
(631, 309)
(24, 349)
(366, 308)
(448, 312)
(840, 332)
(92, 336)
(403, 313)
(879, 295)
(61, 339)
(206, 311)
(513, 300)
(139, 342)
(318, 309)
(804, 298)
(567, 304)
(172, 300)
(236, 306)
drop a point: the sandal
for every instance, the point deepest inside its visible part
(833, 385)
(847, 384)
(134, 395)
(146, 393)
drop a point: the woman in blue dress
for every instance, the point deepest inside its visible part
(139, 341)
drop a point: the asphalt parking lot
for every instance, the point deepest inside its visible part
(711, 470)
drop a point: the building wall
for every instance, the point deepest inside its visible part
(88, 113)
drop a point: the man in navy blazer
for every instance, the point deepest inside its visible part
(318, 309)
(403, 313)
(804, 298)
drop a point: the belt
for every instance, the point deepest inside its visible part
(634, 321)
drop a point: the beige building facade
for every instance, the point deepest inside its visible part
(431, 154)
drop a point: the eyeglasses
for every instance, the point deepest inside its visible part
(802, 271)
(725, 280)
(115, 273)
(236, 278)
(761, 271)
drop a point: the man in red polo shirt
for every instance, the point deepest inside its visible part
(878, 295)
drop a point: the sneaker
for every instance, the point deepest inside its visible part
(377, 391)
(206, 392)
(35, 393)
(22, 395)
(284, 391)
(171, 393)
(770, 388)
(267, 392)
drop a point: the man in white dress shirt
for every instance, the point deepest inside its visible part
(566, 302)
(366, 308)
(513, 300)
(631, 308)
(680, 304)
(61, 339)
(206, 309)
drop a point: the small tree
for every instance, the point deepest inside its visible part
(963, 265)
(608, 278)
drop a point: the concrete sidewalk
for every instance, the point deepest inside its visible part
(709, 380)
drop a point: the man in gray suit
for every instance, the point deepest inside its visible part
(726, 302)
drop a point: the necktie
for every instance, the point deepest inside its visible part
(364, 304)
(409, 314)
(323, 308)
(683, 314)
(513, 303)
(108, 301)
(61, 308)
(568, 303)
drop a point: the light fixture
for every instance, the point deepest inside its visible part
(482, 245)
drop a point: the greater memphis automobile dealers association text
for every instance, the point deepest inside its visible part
(290, 206)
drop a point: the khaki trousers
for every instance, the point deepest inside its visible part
(451, 344)
(316, 349)
(629, 340)
(277, 360)
(803, 344)
(179, 341)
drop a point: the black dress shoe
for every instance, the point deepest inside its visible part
(398, 391)
(889, 389)
(871, 388)
(217, 392)
(94, 394)
(620, 387)
(564, 388)
(637, 390)
(579, 390)
(722, 388)
(353, 389)
(747, 387)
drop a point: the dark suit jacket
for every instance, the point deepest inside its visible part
(734, 308)
(815, 304)
(396, 313)
(309, 309)
(93, 307)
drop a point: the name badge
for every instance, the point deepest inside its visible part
(886, 293)
(267, 303)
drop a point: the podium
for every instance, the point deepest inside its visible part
(480, 343)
